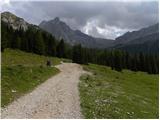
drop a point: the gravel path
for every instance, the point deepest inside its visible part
(58, 97)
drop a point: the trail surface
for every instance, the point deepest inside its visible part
(58, 97)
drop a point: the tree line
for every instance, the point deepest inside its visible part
(33, 40)
(40, 42)
(117, 59)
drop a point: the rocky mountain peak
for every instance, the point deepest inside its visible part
(57, 19)
(60, 29)
(14, 21)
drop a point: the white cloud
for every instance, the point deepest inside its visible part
(5, 3)
(90, 25)
(99, 19)
(93, 28)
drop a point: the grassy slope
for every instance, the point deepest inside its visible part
(16, 57)
(22, 72)
(111, 94)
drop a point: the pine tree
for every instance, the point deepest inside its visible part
(153, 64)
(112, 64)
(39, 44)
(61, 49)
(3, 38)
(127, 60)
(51, 46)
(141, 62)
(18, 43)
(30, 36)
(77, 54)
(84, 56)
(148, 67)
(118, 60)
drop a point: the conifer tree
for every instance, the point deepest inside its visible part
(51, 46)
(39, 44)
(117, 60)
(77, 54)
(61, 49)
(18, 43)
(3, 38)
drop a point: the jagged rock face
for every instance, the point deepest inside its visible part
(14, 21)
(60, 30)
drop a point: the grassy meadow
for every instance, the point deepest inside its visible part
(21, 72)
(111, 94)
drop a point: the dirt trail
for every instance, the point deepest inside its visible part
(58, 97)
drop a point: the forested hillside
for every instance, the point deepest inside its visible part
(145, 40)
(42, 43)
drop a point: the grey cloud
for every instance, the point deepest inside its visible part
(121, 15)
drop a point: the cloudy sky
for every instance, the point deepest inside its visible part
(105, 19)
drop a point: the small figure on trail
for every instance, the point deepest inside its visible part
(48, 63)
(61, 62)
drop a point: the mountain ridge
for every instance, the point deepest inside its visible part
(129, 36)
(145, 40)
(16, 22)
(60, 30)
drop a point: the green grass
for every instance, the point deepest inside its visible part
(12, 57)
(22, 72)
(111, 94)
